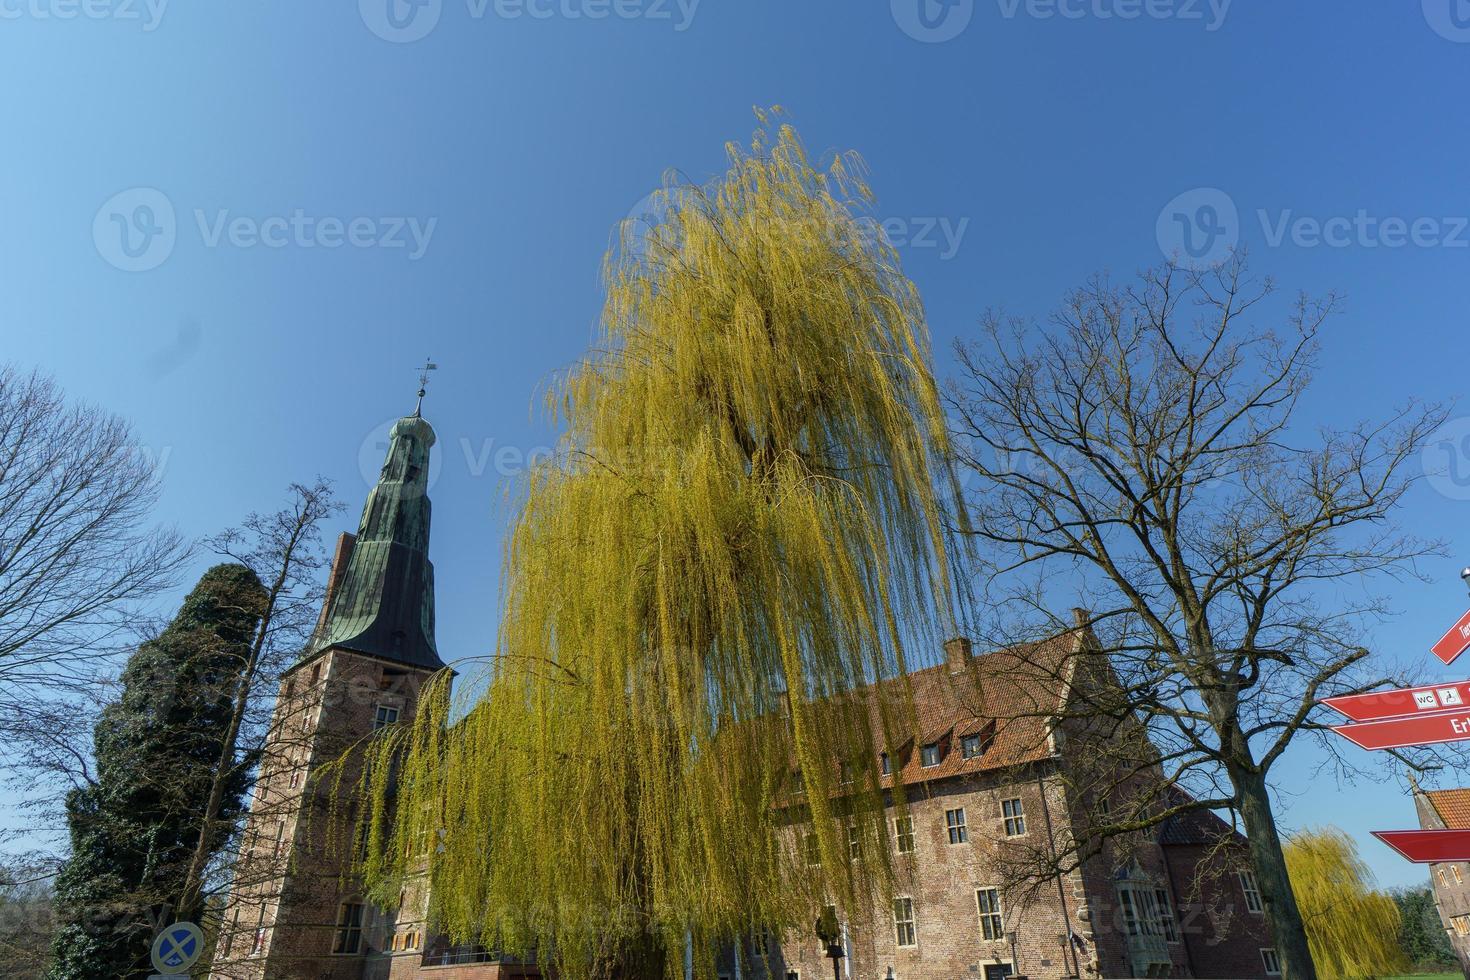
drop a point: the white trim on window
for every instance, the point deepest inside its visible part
(905, 923)
(1251, 890)
(1270, 961)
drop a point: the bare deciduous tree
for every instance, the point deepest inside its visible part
(283, 548)
(76, 554)
(1145, 441)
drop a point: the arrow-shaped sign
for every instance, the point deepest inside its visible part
(1455, 642)
(1404, 701)
(1428, 846)
(1398, 733)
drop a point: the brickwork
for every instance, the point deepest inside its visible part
(1446, 810)
(283, 915)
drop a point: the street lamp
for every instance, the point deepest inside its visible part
(1465, 576)
(830, 933)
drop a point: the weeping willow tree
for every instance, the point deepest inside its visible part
(711, 596)
(1352, 929)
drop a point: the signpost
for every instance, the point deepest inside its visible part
(1429, 715)
(1400, 733)
(1455, 642)
(176, 948)
(1404, 701)
(1427, 846)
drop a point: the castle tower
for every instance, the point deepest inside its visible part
(292, 912)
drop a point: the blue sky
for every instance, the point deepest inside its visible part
(318, 196)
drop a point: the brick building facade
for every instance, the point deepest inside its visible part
(984, 788)
(1449, 809)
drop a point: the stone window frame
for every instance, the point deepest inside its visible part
(955, 826)
(1251, 889)
(905, 926)
(1268, 956)
(380, 709)
(991, 920)
(900, 835)
(349, 927)
(1013, 818)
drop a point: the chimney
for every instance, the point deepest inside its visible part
(957, 654)
(334, 577)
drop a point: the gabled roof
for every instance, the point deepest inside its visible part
(1016, 689)
(1452, 805)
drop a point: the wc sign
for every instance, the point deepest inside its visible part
(176, 948)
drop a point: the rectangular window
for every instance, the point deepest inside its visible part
(903, 834)
(280, 838)
(1130, 913)
(349, 930)
(1442, 879)
(972, 746)
(1251, 891)
(812, 849)
(1015, 817)
(904, 933)
(954, 822)
(883, 765)
(998, 971)
(929, 755)
(854, 842)
(1168, 926)
(1271, 962)
(992, 926)
(1455, 870)
(384, 715)
(295, 779)
(798, 782)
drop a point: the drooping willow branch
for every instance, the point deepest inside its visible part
(730, 593)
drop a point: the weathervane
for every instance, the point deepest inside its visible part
(424, 383)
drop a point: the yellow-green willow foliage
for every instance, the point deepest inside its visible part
(1351, 928)
(743, 507)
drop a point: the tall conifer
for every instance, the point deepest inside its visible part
(135, 826)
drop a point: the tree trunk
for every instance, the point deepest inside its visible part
(1269, 864)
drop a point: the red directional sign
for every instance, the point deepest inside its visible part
(1398, 733)
(1427, 846)
(1455, 642)
(1404, 701)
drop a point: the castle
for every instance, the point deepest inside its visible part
(980, 788)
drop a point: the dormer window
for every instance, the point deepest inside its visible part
(883, 764)
(929, 755)
(972, 746)
(798, 782)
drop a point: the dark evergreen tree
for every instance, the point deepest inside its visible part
(1421, 932)
(135, 827)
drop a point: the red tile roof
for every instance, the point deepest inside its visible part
(1016, 689)
(1452, 805)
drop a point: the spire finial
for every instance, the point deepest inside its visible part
(423, 384)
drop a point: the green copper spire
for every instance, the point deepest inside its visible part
(383, 600)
